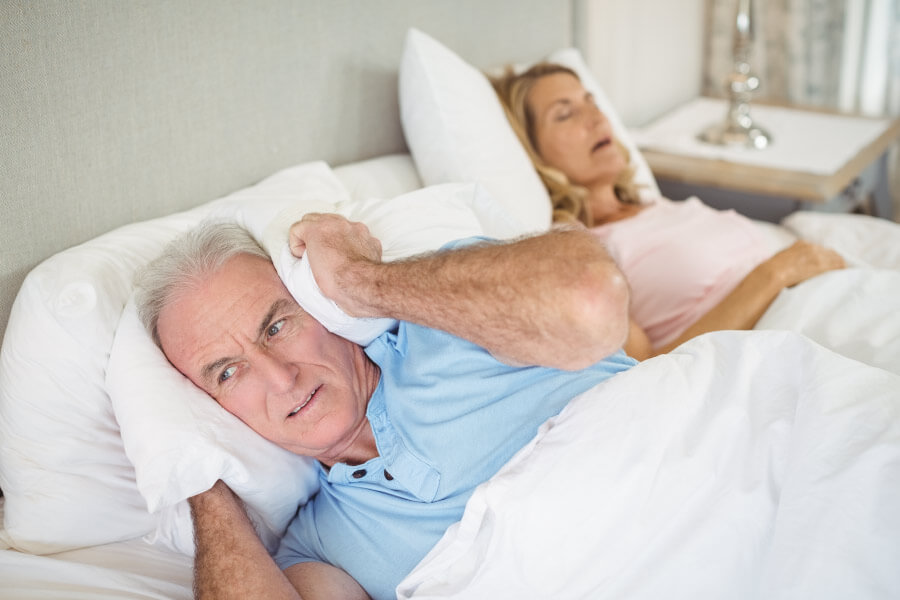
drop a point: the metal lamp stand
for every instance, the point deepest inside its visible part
(738, 129)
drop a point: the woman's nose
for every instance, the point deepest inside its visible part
(595, 115)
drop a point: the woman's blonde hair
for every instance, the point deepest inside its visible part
(567, 198)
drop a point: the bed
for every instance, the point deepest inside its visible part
(760, 464)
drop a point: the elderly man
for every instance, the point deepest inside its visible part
(494, 338)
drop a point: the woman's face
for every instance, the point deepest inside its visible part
(570, 133)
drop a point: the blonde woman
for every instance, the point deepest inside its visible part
(692, 269)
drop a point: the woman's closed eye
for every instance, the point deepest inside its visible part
(568, 109)
(563, 111)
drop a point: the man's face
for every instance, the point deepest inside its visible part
(242, 338)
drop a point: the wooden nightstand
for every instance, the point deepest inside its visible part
(816, 161)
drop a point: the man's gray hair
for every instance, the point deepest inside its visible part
(186, 262)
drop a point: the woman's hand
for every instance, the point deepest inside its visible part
(802, 260)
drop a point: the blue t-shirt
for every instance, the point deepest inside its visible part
(446, 416)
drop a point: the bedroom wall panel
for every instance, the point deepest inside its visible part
(661, 40)
(112, 112)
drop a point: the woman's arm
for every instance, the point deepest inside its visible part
(744, 306)
(231, 562)
(554, 300)
(637, 344)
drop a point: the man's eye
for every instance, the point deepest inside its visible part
(274, 328)
(226, 374)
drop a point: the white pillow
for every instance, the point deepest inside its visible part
(63, 470)
(427, 219)
(181, 441)
(380, 177)
(456, 130)
(419, 221)
(65, 476)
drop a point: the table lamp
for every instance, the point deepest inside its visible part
(738, 128)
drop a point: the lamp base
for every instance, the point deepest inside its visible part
(736, 135)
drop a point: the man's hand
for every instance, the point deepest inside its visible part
(335, 247)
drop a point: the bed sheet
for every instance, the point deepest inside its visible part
(124, 570)
(742, 465)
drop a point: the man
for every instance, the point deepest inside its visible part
(407, 427)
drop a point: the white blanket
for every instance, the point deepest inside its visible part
(855, 311)
(742, 465)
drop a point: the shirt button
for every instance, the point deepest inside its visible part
(388, 476)
(359, 474)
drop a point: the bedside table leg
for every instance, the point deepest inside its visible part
(882, 203)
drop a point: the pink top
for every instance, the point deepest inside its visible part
(681, 259)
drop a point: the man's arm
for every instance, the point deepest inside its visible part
(231, 562)
(554, 300)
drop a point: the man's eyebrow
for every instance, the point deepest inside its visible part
(276, 307)
(209, 371)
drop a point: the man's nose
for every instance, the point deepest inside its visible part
(280, 374)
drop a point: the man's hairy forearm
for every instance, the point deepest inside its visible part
(230, 561)
(555, 300)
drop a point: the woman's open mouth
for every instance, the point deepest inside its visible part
(601, 144)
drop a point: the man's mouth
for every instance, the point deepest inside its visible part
(305, 402)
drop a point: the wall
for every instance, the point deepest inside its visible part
(113, 112)
(647, 54)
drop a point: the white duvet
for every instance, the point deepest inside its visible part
(761, 464)
(742, 465)
(855, 311)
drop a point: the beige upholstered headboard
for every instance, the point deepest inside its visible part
(113, 112)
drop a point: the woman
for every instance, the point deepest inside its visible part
(692, 269)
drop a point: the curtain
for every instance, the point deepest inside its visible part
(837, 54)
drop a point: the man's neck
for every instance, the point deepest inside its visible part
(362, 446)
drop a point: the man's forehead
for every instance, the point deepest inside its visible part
(233, 303)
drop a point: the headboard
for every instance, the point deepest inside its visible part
(113, 112)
